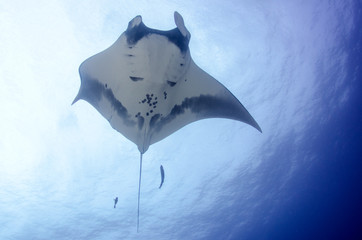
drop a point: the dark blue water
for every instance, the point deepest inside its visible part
(323, 201)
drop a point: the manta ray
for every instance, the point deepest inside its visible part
(147, 86)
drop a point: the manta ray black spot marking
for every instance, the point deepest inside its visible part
(165, 95)
(181, 64)
(135, 79)
(105, 85)
(129, 55)
(171, 83)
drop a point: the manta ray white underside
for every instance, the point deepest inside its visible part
(147, 85)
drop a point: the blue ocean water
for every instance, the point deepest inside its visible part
(297, 69)
(323, 200)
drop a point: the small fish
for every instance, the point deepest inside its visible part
(162, 176)
(115, 202)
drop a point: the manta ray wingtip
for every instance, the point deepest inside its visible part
(76, 99)
(253, 123)
(258, 128)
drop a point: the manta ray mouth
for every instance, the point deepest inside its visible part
(171, 83)
(135, 79)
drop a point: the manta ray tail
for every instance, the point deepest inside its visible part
(139, 193)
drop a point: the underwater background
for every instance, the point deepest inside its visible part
(295, 65)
